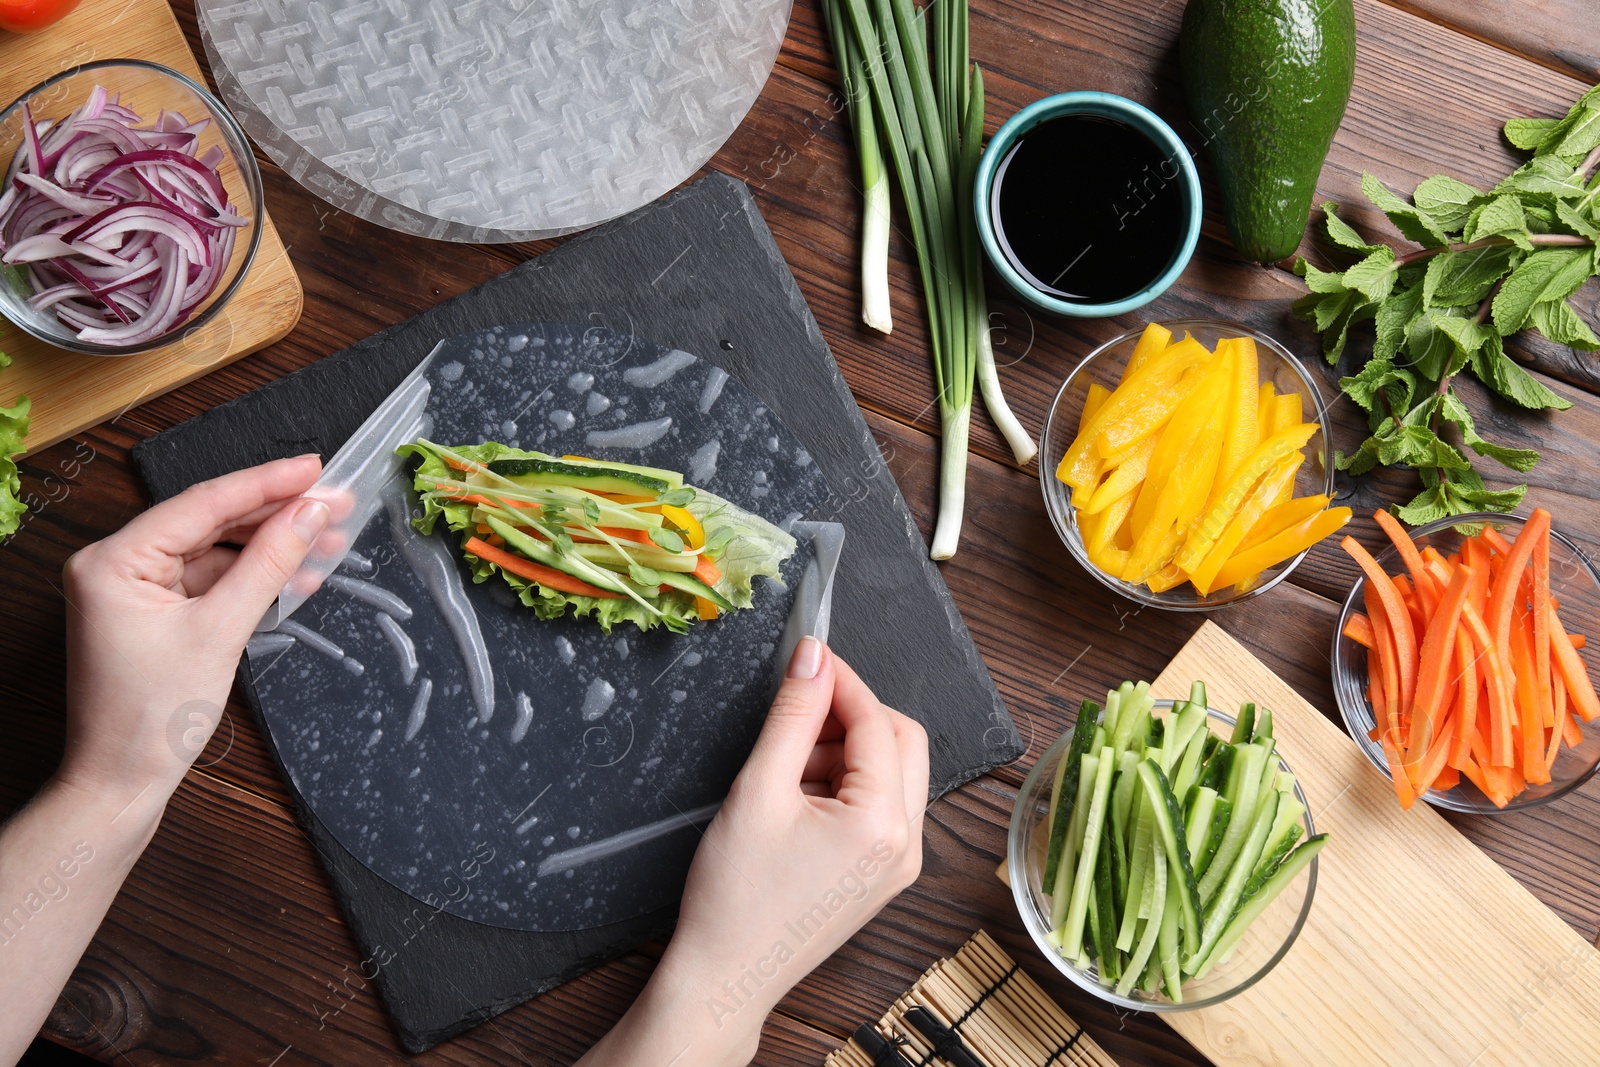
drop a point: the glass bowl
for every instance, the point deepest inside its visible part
(1266, 942)
(1573, 582)
(147, 88)
(1104, 366)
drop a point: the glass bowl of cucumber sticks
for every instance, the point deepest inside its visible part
(1204, 852)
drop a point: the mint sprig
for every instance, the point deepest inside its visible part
(1490, 265)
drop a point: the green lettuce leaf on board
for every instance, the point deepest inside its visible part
(13, 431)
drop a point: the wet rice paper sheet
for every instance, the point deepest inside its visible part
(429, 722)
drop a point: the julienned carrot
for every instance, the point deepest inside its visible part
(1397, 770)
(1433, 761)
(1359, 629)
(1534, 765)
(1409, 555)
(1541, 629)
(1502, 595)
(1401, 629)
(1383, 651)
(1466, 708)
(1573, 672)
(1438, 650)
(707, 571)
(534, 572)
(1502, 703)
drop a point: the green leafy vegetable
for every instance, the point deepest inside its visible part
(1491, 264)
(13, 431)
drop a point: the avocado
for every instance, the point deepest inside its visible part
(1268, 81)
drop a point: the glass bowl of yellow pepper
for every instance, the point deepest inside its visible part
(1186, 464)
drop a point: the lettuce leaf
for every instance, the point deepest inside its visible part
(754, 547)
(13, 430)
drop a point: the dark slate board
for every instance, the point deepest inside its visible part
(409, 738)
(698, 270)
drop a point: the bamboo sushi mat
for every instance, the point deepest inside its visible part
(998, 1016)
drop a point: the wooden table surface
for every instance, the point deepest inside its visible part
(226, 945)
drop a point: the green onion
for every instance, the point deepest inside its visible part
(930, 117)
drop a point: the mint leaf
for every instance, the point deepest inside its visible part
(1528, 134)
(1373, 277)
(1449, 201)
(1427, 506)
(1468, 335)
(1342, 234)
(1500, 217)
(1429, 347)
(1543, 174)
(1582, 137)
(1391, 320)
(1380, 375)
(1320, 281)
(1560, 323)
(1455, 412)
(1540, 274)
(1487, 499)
(1417, 225)
(1499, 372)
(1575, 220)
(1463, 279)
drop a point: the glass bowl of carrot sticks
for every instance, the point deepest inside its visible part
(1262, 485)
(1459, 661)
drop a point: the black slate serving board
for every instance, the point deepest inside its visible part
(698, 270)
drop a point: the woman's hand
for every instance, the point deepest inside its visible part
(158, 614)
(822, 828)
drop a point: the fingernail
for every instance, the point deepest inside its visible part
(309, 520)
(807, 659)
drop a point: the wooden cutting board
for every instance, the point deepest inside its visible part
(71, 392)
(1420, 949)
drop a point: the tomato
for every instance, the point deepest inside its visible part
(25, 16)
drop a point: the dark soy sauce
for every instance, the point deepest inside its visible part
(1088, 209)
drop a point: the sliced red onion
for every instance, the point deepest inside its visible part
(123, 230)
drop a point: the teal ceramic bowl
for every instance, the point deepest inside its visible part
(1179, 171)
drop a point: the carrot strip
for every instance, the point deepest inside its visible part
(1408, 554)
(534, 572)
(1502, 705)
(1502, 596)
(1438, 648)
(1541, 630)
(707, 571)
(1477, 775)
(1448, 779)
(1359, 630)
(1471, 681)
(1397, 771)
(1573, 672)
(1577, 640)
(1433, 762)
(1383, 651)
(1401, 628)
(1495, 540)
(1534, 765)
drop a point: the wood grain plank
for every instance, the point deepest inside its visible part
(1548, 32)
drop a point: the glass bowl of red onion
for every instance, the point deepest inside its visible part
(131, 209)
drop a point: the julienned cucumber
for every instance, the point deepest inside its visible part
(1164, 842)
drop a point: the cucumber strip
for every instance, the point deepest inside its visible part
(1197, 825)
(1155, 735)
(1067, 867)
(1167, 941)
(1217, 768)
(1263, 894)
(1168, 822)
(1190, 762)
(1072, 936)
(1286, 830)
(1263, 725)
(1067, 784)
(1197, 694)
(1247, 772)
(1152, 926)
(1182, 727)
(1270, 767)
(1113, 715)
(1214, 835)
(1244, 725)
(1285, 782)
(1102, 917)
(1139, 861)
(611, 557)
(1122, 802)
(1133, 721)
(1220, 910)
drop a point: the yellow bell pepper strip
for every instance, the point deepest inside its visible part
(1244, 431)
(1249, 515)
(1268, 454)
(694, 535)
(1141, 571)
(705, 609)
(1100, 528)
(1286, 545)
(1266, 408)
(1096, 396)
(1283, 516)
(1134, 410)
(1288, 412)
(1155, 340)
(1185, 466)
(1125, 479)
(1165, 578)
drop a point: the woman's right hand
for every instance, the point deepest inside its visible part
(821, 829)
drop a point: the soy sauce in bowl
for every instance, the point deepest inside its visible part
(1087, 204)
(1088, 209)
